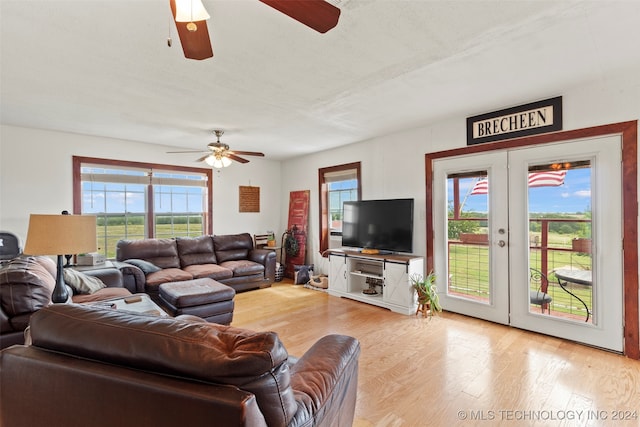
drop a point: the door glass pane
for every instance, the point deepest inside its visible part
(468, 242)
(560, 240)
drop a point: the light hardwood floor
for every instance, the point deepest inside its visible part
(451, 369)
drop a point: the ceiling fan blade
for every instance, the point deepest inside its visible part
(201, 159)
(236, 158)
(316, 14)
(195, 44)
(246, 153)
(188, 151)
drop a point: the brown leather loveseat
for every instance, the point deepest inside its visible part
(229, 259)
(98, 367)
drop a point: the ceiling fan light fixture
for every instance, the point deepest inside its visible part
(218, 161)
(190, 11)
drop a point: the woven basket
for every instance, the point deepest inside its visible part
(279, 272)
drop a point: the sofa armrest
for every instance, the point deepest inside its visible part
(111, 277)
(325, 381)
(132, 277)
(267, 258)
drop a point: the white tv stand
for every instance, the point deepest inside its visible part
(352, 272)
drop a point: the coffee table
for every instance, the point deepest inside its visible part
(136, 303)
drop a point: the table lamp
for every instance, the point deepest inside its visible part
(60, 235)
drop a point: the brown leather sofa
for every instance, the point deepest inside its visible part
(98, 367)
(229, 259)
(26, 284)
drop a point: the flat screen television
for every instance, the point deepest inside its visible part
(384, 225)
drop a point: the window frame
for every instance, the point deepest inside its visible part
(323, 205)
(79, 161)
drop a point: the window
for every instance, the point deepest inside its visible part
(338, 184)
(339, 192)
(137, 200)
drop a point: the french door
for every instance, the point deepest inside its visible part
(532, 237)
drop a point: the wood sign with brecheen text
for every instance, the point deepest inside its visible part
(524, 120)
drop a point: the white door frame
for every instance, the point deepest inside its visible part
(494, 163)
(629, 133)
(606, 331)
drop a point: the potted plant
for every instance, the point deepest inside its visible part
(271, 239)
(428, 300)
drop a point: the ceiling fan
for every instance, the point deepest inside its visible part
(191, 17)
(219, 155)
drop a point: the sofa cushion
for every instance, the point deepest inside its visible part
(167, 275)
(26, 284)
(82, 283)
(196, 250)
(232, 247)
(212, 271)
(146, 266)
(161, 252)
(252, 361)
(243, 267)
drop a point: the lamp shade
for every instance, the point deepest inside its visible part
(60, 234)
(190, 11)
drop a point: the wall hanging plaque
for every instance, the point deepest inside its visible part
(249, 199)
(524, 120)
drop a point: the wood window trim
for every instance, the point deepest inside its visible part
(323, 203)
(78, 161)
(629, 135)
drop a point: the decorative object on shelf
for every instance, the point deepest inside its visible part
(372, 283)
(60, 235)
(428, 300)
(271, 239)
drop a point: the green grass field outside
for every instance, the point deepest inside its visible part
(108, 236)
(469, 274)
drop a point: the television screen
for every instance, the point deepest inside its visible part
(386, 225)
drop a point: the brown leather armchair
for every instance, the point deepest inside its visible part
(26, 284)
(96, 367)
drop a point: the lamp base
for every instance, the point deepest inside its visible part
(60, 294)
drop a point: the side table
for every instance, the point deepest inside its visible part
(83, 268)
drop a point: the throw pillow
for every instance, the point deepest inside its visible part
(81, 283)
(302, 274)
(146, 266)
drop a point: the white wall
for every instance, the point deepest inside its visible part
(36, 177)
(393, 165)
(35, 165)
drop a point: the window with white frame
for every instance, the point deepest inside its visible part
(134, 201)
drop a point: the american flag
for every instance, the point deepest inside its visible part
(536, 179)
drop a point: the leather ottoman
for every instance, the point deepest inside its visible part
(204, 298)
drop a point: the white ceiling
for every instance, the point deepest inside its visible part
(104, 68)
